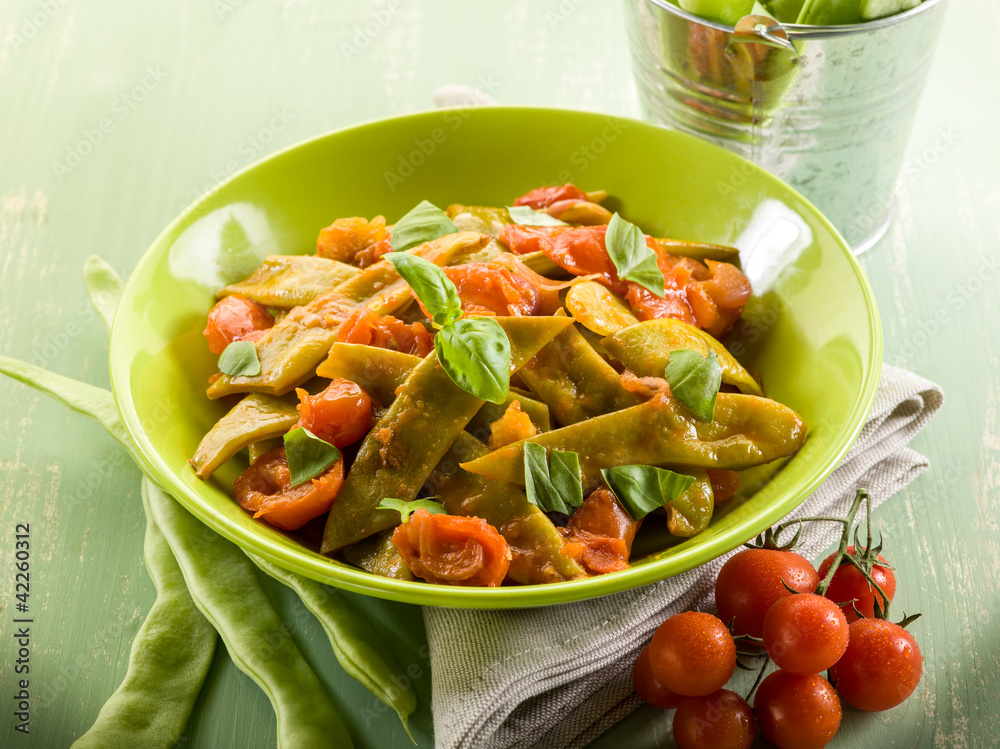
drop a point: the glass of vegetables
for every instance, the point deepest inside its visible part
(820, 92)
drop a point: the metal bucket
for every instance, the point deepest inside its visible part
(828, 109)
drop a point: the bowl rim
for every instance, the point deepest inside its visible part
(519, 596)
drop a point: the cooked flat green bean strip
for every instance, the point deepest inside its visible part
(747, 431)
(691, 512)
(480, 218)
(257, 417)
(286, 281)
(541, 264)
(170, 658)
(377, 555)
(574, 381)
(698, 250)
(398, 455)
(256, 449)
(354, 640)
(290, 351)
(645, 349)
(380, 371)
(104, 287)
(226, 589)
(534, 542)
(95, 402)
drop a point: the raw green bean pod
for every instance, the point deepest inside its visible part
(104, 287)
(747, 431)
(286, 281)
(353, 639)
(226, 589)
(424, 419)
(170, 658)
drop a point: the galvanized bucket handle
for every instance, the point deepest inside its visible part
(758, 29)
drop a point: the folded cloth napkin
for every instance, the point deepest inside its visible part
(560, 676)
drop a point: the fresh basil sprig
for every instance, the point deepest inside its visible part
(404, 508)
(475, 353)
(642, 489)
(422, 224)
(308, 456)
(527, 216)
(552, 482)
(695, 381)
(240, 358)
(633, 258)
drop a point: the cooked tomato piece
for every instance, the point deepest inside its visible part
(452, 550)
(727, 285)
(369, 328)
(235, 318)
(647, 306)
(341, 414)
(513, 426)
(346, 237)
(599, 535)
(543, 197)
(578, 249)
(265, 490)
(724, 483)
(488, 289)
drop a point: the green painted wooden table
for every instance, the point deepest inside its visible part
(114, 115)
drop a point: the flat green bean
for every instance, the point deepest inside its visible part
(170, 658)
(286, 281)
(353, 639)
(376, 554)
(226, 589)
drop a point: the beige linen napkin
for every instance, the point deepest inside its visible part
(558, 677)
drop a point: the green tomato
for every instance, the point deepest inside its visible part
(723, 11)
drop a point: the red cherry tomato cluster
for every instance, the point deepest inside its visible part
(808, 622)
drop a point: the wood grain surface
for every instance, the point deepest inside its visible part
(114, 115)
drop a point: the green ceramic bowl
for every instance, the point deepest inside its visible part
(812, 329)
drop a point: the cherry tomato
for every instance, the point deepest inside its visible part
(881, 667)
(346, 238)
(265, 490)
(805, 633)
(797, 711)
(849, 584)
(647, 686)
(367, 327)
(692, 654)
(341, 414)
(543, 197)
(721, 720)
(492, 290)
(235, 318)
(452, 550)
(599, 534)
(751, 581)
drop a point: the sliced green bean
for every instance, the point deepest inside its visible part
(398, 455)
(534, 542)
(97, 403)
(538, 412)
(257, 449)
(645, 349)
(574, 381)
(480, 218)
(691, 512)
(104, 287)
(286, 281)
(257, 417)
(226, 589)
(698, 250)
(376, 554)
(290, 351)
(354, 640)
(747, 431)
(170, 658)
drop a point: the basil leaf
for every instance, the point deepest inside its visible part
(404, 508)
(424, 223)
(527, 216)
(642, 489)
(558, 491)
(308, 456)
(695, 380)
(476, 355)
(633, 258)
(240, 358)
(433, 288)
